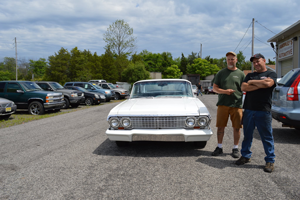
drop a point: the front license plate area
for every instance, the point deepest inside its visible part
(161, 138)
(8, 109)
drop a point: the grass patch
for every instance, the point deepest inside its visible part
(22, 116)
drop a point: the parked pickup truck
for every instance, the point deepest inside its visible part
(71, 97)
(28, 95)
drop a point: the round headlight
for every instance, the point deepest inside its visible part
(126, 122)
(203, 121)
(190, 122)
(114, 122)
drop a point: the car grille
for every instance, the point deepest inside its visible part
(158, 122)
(4, 105)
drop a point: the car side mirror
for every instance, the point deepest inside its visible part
(20, 91)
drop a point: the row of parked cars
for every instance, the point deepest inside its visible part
(41, 96)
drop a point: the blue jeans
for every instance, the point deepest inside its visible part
(199, 91)
(263, 121)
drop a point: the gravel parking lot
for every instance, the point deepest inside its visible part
(69, 157)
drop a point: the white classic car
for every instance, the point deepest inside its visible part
(160, 110)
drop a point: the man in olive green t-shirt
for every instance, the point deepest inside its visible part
(227, 83)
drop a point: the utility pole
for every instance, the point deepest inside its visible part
(16, 59)
(200, 50)
(252, 51)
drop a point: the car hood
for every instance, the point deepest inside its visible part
(160, 107)
(119, 90)
(68, 90)
(46, 92)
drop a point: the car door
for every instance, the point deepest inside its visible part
(15, 93)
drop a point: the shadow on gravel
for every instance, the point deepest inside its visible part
(149, 149)
(283, 135)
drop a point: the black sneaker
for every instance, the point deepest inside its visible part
(218, 151)
(242, 161)
(269, 167)
(235, 153)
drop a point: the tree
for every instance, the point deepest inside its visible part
(58, 69)
(202, 67)
(172, 72)
(270, 62)
(183, 63)
(109, 70)
(240, 60)
(119, 38)
(38, 67)
(5, 76)
(135, 72)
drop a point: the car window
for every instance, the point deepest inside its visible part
(2, 85)
(68, 84)
(79, 84)
(97, 86)
(162, 89)
(112, 86)
(30, 86)
(289, 78)
(13, 87)
(56, 86)
(44, 86)
(105, 86)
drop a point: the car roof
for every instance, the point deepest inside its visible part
(153, 80)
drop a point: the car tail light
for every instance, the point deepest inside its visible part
(292, 94)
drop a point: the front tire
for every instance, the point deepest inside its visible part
(117, 96)
(66, 104)
(36, 108)
(200, 145)
(88, 101)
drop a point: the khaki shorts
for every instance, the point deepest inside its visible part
(235, 114)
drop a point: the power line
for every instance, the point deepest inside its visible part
(265, 27)
(248, 45)
(243, 36)
(260, 40)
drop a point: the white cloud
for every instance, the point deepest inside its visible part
(43, 27)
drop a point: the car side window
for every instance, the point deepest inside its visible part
(2, 85)
(44, 86)
(78, 84)
(105, 86)
(13, 87)
(69, 84)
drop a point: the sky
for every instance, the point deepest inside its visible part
(42, 28)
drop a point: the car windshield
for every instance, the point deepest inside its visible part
(162, 89)
(97, 86)
(57, 86)
(112, 86)
(194, 86)
(81, 89)
(30, 86)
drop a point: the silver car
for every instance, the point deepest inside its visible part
(7, 108)
(286, 100)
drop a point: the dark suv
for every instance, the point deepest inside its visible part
(28, 95)
(120, 93)
(71, 97)
(93, 87)
(286, 100)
